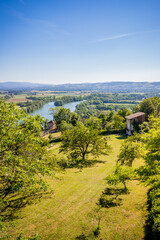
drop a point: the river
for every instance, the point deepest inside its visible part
(44, 111)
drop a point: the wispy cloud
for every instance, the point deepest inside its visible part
(47, 26)
(124, 35)
(116, 37)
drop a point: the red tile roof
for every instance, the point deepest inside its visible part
(135, 115)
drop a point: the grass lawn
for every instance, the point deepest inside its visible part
(72, 209)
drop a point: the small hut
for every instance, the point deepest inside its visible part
(138, 118)
(51, 124)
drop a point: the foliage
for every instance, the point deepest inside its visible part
(81, 141)
(67, 99)
(151, 140)
(63, 126)
(121, 175)
(124, 112)
(150, 106)
(118, 122)
(97, 231)
(62, 114)
(154, 201)
(36, 237)
(23, 155)
(145, 127)
(103, 117)
(74, 118)
(129, 151)
(64, 118)
(150, 172)
(93, 123)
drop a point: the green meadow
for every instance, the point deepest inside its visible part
(72, 208)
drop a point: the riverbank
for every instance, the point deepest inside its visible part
(45, 110)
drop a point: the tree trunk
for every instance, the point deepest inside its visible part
(83, 155)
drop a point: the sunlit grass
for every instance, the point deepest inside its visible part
(72, 209)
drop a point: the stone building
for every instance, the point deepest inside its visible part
(51, 124)
(138, 118)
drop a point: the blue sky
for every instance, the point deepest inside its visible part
(75, 41)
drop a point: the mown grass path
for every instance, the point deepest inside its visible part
(71, 210)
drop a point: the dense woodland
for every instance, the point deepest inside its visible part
(25, 160)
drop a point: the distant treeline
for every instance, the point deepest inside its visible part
(88, 108)
(36, 103)
(67, 99)
(96, 103)
(119, 97)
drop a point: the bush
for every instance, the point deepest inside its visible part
(154, 202)
(96, 231)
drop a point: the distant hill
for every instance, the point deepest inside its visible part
(116, 87)
(21, 86)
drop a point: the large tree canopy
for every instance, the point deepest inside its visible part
(150, 106)
(23, 155)
(80, 141)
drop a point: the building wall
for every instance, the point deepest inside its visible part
(139, 120)
(50, 125)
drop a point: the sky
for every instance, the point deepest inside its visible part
(77, 41)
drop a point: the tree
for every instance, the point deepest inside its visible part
(129, 151)
(118, 122)
(124, 112)
(145, 127)
(150, 106)
(81, 141)
(63, 126)
(74, 118)
(121, 175)
(62, 114)
(94, 123)
(149, 172)
(110, 116)
(23, 155)
(102, 116)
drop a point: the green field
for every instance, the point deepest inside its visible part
(72, 209)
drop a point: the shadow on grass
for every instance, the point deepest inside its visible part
(82, 237)
(79, 164)
(109, 197)
(84, 164)
(108, 202)
(122, 137)
(55, 140)
(115, 191)
(13, 205)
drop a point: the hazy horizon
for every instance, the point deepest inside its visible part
(87, 41)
